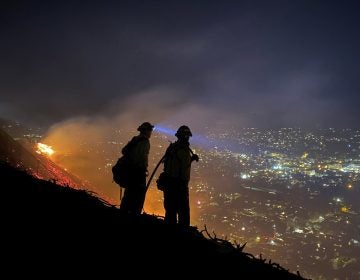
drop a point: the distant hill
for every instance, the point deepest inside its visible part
(54, 231)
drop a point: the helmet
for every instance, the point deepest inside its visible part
(145, 127)
(183, 131)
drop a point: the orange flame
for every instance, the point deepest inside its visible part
(44, 149)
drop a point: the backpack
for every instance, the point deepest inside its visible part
(122, 172)
(123, 169)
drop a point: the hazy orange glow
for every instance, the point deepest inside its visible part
(44, 149)
(97, 147)
(88, 147)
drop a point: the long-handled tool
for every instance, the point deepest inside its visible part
(121, 194)
(153, 173)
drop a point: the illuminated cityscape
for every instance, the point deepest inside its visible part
(291, 195)
(294, 197)
(270, 90)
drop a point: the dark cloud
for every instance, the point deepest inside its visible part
(284, 63)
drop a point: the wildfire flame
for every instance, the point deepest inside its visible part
(44, 149)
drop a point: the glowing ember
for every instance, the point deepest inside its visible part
(44, 149)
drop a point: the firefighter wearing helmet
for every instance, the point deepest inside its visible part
(177, 166)
(137, 150)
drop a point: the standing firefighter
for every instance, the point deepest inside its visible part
(137, 151)
(177, 165)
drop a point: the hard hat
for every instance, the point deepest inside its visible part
(145, 127)
(183, 131)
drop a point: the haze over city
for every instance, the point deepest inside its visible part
(270, 90)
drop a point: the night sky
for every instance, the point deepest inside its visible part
(253, 63)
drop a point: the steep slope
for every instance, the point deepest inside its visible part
(38, 165)
(52, 230)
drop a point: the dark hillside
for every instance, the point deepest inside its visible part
(16, 155)
(50, 229)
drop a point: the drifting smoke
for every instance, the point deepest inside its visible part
(89, 146)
